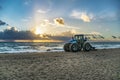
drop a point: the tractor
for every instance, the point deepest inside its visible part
(77, 43)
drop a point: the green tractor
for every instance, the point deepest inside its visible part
(78, 43)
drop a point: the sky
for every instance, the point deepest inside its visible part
(57, 16)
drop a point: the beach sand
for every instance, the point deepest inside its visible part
(94, 65)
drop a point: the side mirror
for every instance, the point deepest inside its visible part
(85, 39)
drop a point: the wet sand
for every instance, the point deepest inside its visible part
(93, 65)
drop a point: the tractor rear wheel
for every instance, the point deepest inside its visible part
(74, 47)
(66, 47)
(86, 47)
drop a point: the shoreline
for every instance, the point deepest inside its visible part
(56, 51)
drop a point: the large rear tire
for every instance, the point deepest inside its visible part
(74, 47)
(87, 47)
(66, 47)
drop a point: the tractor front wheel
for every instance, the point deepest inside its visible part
(74, 47)
(86, 47)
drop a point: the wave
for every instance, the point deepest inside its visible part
(47, 47)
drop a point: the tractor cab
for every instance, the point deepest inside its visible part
(80, 38)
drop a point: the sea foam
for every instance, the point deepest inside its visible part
(7, 47)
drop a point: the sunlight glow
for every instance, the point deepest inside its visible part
(38, 30)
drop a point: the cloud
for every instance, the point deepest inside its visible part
(12, 28)
(59, 21)
(55, 27)
(2, 23)
(25, 20)
(114, 37)
(95, 33)
(82, 16)
(45, 22)
(43, 11)
(12, 33)
(85, 18)
(68, 33)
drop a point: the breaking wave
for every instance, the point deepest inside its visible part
(19, 47)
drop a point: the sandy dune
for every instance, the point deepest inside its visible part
(93, 65)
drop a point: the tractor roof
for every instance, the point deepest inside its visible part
(79, 35)
(85, 35)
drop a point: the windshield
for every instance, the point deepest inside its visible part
(78, 37)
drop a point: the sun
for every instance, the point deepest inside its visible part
(38, 30)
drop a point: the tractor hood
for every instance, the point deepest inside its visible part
(72, 41)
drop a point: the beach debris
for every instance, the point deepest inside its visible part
(48, 50)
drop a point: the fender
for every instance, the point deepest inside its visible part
(88, 42)
(92, 46)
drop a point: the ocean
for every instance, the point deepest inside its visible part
(22, 47)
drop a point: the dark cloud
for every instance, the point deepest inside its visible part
(97, 36)
(2, 23)
(14, 34)
(114, 37)
(102, 37)
(59, 21)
